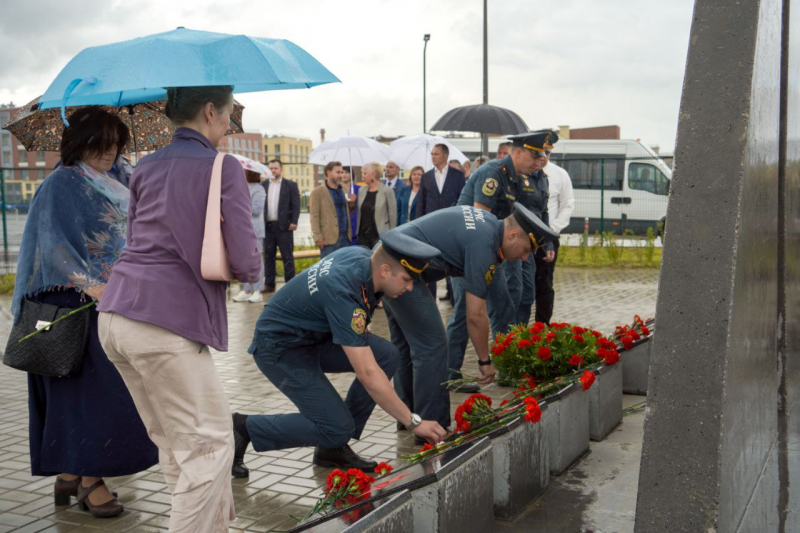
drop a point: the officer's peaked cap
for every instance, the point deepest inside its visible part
(540, 142)
(414, 255)
(539, 232)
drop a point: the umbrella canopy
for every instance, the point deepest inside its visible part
(483, 118)
(255, 166)
(350, 151)
(139, 70)
(41, 129)
(409, 152)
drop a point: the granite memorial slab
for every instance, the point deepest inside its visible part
(566, 423)
(388, 514)
(636, 367)
(605, 401)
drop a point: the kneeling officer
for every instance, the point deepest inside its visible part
(317, 323)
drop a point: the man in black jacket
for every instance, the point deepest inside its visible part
(281, 212)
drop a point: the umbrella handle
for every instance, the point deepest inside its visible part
(71, 87)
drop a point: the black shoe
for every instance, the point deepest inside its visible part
(342, 458)
(401, 427)
(468, 388)
(241, 439)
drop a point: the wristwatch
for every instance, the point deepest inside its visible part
(415, 421)
(485, 363)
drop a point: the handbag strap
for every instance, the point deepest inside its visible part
(214, 204)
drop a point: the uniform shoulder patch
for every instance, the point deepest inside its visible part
(359, 321)
(490, 187)
(489, 276)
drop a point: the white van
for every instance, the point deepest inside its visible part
(622, 182)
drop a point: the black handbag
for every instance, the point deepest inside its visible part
(56, 352)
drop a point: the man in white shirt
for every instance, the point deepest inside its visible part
(281, 213)
(560, 207)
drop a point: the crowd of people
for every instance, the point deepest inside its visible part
(149, 391)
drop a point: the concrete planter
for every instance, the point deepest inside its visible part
(460, 499)
(636, 367)
(567, 426)
(605, 401)
(521, 464)
(393, 514)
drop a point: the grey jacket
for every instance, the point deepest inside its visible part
(385, 207)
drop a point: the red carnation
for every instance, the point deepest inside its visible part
(337, 479)
(383, 469)
(426, 447)
(611, 357)
(577, 330)
(544, 353)
(596, 334)
(523, 344)
(536, 338)
(550, 337)
(538, 327)
(634, 334)
(645, 331)
(533, 413)
(587, 379)
(503, 403)
(576, 360)
(627, 342)
(579, 338)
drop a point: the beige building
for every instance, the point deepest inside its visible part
(293, 153)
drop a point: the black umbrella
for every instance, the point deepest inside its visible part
(482, 118)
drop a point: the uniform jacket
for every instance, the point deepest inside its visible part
(324, 224)
(431, 200)
(288, 204)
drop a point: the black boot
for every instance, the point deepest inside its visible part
(241, 439)
(342, 458)
(468, 388)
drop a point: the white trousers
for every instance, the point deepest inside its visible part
(179, 396)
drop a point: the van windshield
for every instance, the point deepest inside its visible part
(644, 177)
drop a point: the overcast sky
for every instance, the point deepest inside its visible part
(577, 62)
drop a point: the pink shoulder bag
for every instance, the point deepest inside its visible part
(214, 265)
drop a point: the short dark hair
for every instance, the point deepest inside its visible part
(92, 131)
(252, 176)
(330, 166)
(184, 103)
(507, 143)
(443, 147)
(275, 161)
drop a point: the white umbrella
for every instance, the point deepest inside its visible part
(409, 152)
(255, 166)
(350, 152)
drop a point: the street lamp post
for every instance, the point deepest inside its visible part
(424, 73)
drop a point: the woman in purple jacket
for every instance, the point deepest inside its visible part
(159, 316)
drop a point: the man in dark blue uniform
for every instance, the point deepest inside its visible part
(473, 245)
(493, 187)
(533, 194)
(317, 323)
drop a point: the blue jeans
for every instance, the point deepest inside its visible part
(324, 418)
(523, 315)
(498, 306)
(416, 329)
(259, 285)
(343, 242)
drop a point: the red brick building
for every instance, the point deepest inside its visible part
(33, 166)
(244, 144)
(596, 132)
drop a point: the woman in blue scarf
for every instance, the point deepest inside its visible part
(86, 427)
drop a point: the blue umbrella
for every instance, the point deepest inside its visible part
(139, 70)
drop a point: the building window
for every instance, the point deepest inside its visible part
(23, 174)
(277, 151)
(22, 155)
(40, 175)
(40, 157)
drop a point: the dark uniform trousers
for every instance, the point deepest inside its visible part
(498, 307)
(416, 329)
(545, 295)
(324, 419)
(276, 239)
(528, 292)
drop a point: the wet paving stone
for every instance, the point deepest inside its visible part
(283, 484)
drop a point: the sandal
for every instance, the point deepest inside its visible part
(106, 510)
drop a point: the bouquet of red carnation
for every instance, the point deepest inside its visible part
(543, 352)
(344, 489)
(627, 335)
(475, 409)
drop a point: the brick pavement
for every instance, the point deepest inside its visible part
(281, 483)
